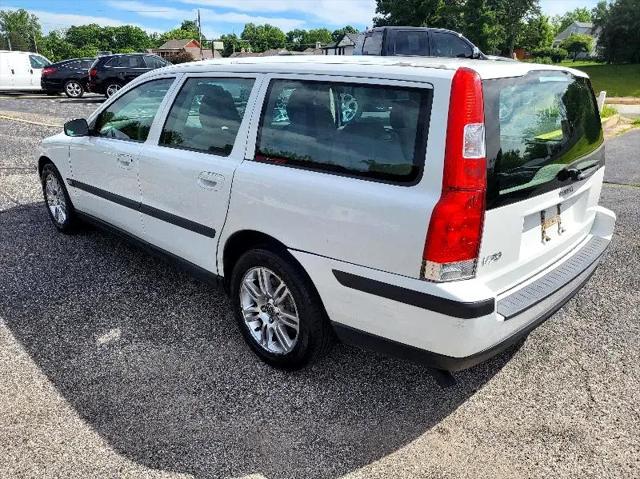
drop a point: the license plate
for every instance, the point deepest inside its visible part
(549, 222)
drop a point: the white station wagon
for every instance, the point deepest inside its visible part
(433, 209)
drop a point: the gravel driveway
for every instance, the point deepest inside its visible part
(115, 364)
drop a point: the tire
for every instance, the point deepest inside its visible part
(57, 199)
(73, 89)
(111, 89)
(313, 337)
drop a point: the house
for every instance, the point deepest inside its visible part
(173, 47)
(344, 46)
(585, 28)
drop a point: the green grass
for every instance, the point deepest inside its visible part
(608, 111)
(636, 122)
(616, 80)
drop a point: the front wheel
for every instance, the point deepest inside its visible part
(57, 199)
(73, 89)
(278, 310)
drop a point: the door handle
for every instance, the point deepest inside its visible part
(209, 180)
(13, 72)
(124, 160)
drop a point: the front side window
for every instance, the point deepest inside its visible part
(445, 44)
(154, 62)
(368, 131)
(408, 42)
(38, 61)
(206, 114)
(372, 44)
(130, 116)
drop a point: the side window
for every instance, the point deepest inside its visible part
(38, 62)
(408, 42)
(86, 64)
(368, 131)
(136, 61)
(206, 114)
(130, 116)
(372, 44)
(445, 44)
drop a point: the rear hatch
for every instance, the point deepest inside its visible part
(545, 161)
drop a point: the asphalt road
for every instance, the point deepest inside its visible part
(115, 364)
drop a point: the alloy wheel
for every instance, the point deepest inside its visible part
(73, 89)
(112, 89)
(269, 310)
(56, 200)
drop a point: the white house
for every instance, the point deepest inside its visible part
(585, 28)
(344, 46)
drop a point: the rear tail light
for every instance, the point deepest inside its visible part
(48, 71)
(455, 230)
(93, 72)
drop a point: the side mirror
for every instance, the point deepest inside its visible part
(476, 53)
(78, 127)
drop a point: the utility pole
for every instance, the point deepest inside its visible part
(9, 40)
(200, 34)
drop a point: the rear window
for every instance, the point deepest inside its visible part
(368, 131)
(372, 43)
(536, 126)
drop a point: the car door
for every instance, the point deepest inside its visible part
(21, 70)
(6, 71)
(104, 165)
(136, 67)
(187, 165)
(36, 63)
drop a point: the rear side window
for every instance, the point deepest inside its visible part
(131, 115)
(445, 44)
(538, 125)
(367, 131)
(132, 61)
(372, 43)
(206, 115)
(408, 42)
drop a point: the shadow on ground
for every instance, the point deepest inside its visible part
(151, 359)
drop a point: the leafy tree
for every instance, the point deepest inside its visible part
(340, 32)
(577, 43)
(538, 32)
(189, 25)
(263, 37)
(619, 39)
(21, 28)
(580, 14)
(511, 15)
(233, 44)
(313, 36)
(419, 13)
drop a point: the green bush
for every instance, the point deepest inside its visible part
(608, 111)
(556, 54)
(544, 61)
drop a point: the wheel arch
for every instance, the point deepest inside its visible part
(43, 160)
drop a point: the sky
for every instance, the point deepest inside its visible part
(221, 16)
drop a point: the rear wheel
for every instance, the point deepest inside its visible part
(73, 89)
(57, 199)
(278, 311)
(112, 89)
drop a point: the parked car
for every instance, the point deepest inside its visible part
(455, 212)
(68, 76)
(21, 70)
(415, 41)
(109, 73)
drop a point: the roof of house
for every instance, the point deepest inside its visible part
(576, 27)
(177, 44)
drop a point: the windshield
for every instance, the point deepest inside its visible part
(538, 125)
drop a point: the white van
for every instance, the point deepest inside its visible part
(435, 209)
(21, 70)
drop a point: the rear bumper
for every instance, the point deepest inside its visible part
(455, 334)
(531, 317)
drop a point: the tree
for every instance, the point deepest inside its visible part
(419, 13)
(619, 40)
(233, 44)
(340, 32)
(263, 37)
(577, 43)
(561, 22)
(537, 33)
(313, 36)
(20, 28)
(511, 14)
(295, 38)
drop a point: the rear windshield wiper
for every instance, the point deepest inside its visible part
(577, 174)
